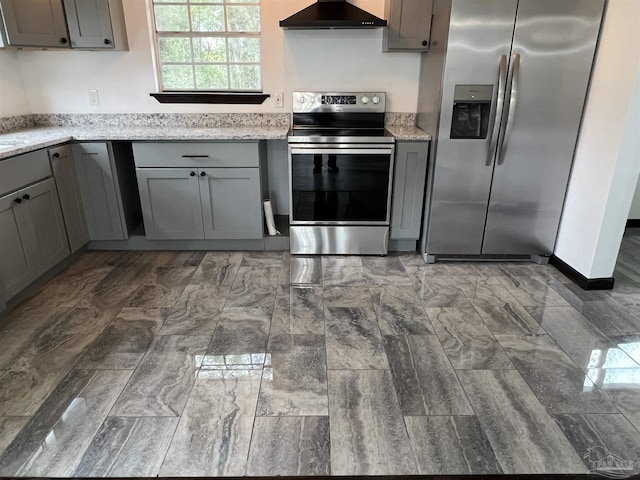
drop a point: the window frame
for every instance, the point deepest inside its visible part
(234, 96)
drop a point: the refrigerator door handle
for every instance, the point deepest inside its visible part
(511, 107)
(495, 131)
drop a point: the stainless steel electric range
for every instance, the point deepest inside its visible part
(340, 173)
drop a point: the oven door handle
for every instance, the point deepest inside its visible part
(342, 151)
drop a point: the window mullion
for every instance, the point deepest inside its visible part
(228, 66)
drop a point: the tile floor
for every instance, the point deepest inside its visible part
(194, 364)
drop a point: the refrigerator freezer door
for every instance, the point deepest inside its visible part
(480, 36)
(555, 42)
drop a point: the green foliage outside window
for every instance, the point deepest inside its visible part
(211, 45)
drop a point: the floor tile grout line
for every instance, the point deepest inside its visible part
(101, 423)
(571, 361)
(255, 412)
(173, 435)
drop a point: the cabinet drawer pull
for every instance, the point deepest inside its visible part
(202, 174)
(63, 40)
(195, 156)
(56, 155)
(18, 200)
(26, 196)
(193, 174)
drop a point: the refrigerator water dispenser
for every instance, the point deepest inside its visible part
(471, 111)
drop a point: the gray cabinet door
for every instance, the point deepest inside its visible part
(96, 176)
(43, 218)
(170, 203)
(408, 189)
(17, 266)
(231, 203)
(64, 172)
(89, 23)
(409, 25)
(35, 23)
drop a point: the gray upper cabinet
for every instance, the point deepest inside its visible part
(96, 24)
(409, 25)
(100, 192)
(170, 202)
(231, 203)
(92, 24)
(35, 23)
(64, 173)
(408, 189)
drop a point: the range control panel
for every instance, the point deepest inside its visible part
(308, 102)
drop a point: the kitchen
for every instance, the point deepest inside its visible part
(57, 82)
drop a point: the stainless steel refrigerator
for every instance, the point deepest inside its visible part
(502, 90)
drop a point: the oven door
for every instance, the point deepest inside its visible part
(340, 184)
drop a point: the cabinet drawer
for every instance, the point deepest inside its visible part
(22, 170)
(194, 154)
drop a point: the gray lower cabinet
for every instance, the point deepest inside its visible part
(408, 189)
(64, 173)
(170, 200)
(200, 203)
(231, 203)
(103, 210)
(35, 23)
(18, 267)
(32, 235)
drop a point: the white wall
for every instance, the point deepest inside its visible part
(57, 82)
(607, 161)
(13, 99)
(634, 213)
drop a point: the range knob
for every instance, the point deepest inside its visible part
(365, 100)
(376, 99)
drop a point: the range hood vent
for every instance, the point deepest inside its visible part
(325, 14)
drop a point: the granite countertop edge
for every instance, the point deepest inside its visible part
(31, 139)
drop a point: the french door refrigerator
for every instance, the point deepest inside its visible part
(503, 89)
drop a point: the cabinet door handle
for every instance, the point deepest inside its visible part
(18, 200)
(107, 41)
(202, 174)
(26, 196)
(195, 156)
(63, 40)
(56, 155)
(193, 174)
(425, 43)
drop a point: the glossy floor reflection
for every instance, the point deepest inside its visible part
(259, 363)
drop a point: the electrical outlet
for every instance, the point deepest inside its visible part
(94, 98)
(278, 100)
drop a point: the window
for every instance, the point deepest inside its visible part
(208, 45)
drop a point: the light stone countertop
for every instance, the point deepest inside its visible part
(408, 133)
(24, 141)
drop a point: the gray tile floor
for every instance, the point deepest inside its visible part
(194, 364)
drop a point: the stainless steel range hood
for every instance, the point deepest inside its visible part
(326, 14)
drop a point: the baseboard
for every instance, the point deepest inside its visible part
(633, 223)
(579, 279)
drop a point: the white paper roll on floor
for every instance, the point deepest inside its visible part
(268, 215)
